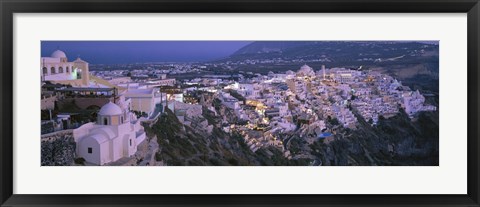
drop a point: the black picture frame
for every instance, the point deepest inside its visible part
(10, 7)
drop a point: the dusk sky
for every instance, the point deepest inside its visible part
(117, 52)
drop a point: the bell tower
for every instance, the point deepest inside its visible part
(82, 65)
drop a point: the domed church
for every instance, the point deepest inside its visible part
(115, 135)
(56, 68)
(305, 70)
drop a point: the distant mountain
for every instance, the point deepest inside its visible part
(345, 51)
(269, 47)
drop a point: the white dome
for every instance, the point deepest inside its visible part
(58, 54)
(110, 109)
(305, 69)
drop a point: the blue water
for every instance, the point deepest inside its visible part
(325, 134)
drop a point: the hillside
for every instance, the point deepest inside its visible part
(259, 47)
(336, 51)
(394, 141)
(184, 145)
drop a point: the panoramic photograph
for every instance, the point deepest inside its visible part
(239, 103)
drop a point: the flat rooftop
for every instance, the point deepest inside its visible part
(86, 89)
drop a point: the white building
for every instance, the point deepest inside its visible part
(229, 101)
(119, 80)
(161, 82)
(57, 68)
(282, 109)
(343, 75)
(142, 100)
(413, 102)
(115, 135)
(245, 89)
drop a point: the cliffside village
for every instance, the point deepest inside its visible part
(264, 108)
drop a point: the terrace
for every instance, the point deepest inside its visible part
(87, 92)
